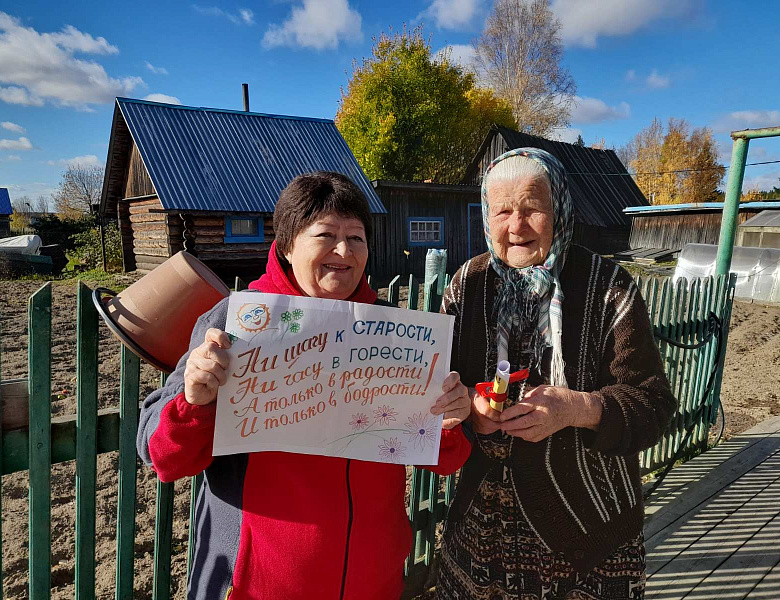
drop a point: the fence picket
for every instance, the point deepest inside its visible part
(86, 440)
(163, 542)
(195, 483)
(414, 293)
(39, 386)
(393, 290)
(163, 532)
(128, 426)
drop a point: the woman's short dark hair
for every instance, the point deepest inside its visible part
(311, 196)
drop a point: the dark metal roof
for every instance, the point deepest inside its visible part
(5, 202)
(599, 184)
(203, 159)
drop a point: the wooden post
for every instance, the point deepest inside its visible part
(163, 536)
(86, 440)
(103, 244)
(128, 429)
(39, 381)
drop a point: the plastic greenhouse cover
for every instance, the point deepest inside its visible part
(24, 244)
(757, 269)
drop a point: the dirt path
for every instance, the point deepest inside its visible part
(749, 392)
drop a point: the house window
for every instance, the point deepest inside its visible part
(244, 230)
(426, 231)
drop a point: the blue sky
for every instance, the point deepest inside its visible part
(61, 64)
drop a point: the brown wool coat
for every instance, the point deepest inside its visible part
(579, 489)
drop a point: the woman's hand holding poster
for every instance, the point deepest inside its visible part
(333, 378)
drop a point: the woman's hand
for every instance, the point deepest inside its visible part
(547, 409)
(484, 418)
(454, 403)
(206, 368)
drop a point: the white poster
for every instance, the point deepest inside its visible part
(333, 378)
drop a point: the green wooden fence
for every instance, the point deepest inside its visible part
(36, 441)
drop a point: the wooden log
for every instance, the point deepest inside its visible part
(220, 231)
(209, 239)
(140, 246)
(147, 218)
(208, 221)
(143, 206)
(147, 238)
(141, 252)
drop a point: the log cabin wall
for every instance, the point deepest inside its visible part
(151, 245)
(229, 260)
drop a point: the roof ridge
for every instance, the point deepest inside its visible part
(122, 99)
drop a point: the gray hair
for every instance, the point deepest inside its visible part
(518, 167)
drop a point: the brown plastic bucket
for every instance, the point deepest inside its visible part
(154, 317)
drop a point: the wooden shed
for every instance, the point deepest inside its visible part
(207, 180)
(421, 216)
(599, 184)
(5, 213)
(672, 226)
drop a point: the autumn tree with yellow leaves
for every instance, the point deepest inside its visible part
(413, 115)
(675, 165)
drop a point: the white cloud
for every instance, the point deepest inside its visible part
(163, 98)
(17, 95)
(156, 70)
(452, 14)
(76, 41)
(13, 157)
(12, 127)
(32, 189)
(247, 16)
(244, 17)
(41, 67)
(565, 134)
(21, 144)
(318, 24)
(657, 81)
(584, 21)
(747, 119)
(593, 110)
(630, 75)
(765, 181)
(459, 54)
(87, 160)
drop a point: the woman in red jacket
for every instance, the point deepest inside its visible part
(275, 524)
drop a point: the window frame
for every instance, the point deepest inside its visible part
(425, 243)
(238, 238)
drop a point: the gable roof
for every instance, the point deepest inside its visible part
(599, 184)
(205, 159)
(5, 202)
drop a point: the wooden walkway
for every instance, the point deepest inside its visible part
(713, 527)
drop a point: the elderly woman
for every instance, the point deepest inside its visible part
(275, 524)
(549, 504)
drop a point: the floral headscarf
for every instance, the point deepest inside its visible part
(532, 295)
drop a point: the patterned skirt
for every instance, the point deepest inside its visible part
(493, 553)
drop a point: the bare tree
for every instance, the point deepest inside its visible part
(519, 56)
(22, 205)
(42, 205)
(79, 190)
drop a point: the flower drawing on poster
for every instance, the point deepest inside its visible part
(391, 451)
(359, 421)
(384, 414)
(420, 430)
